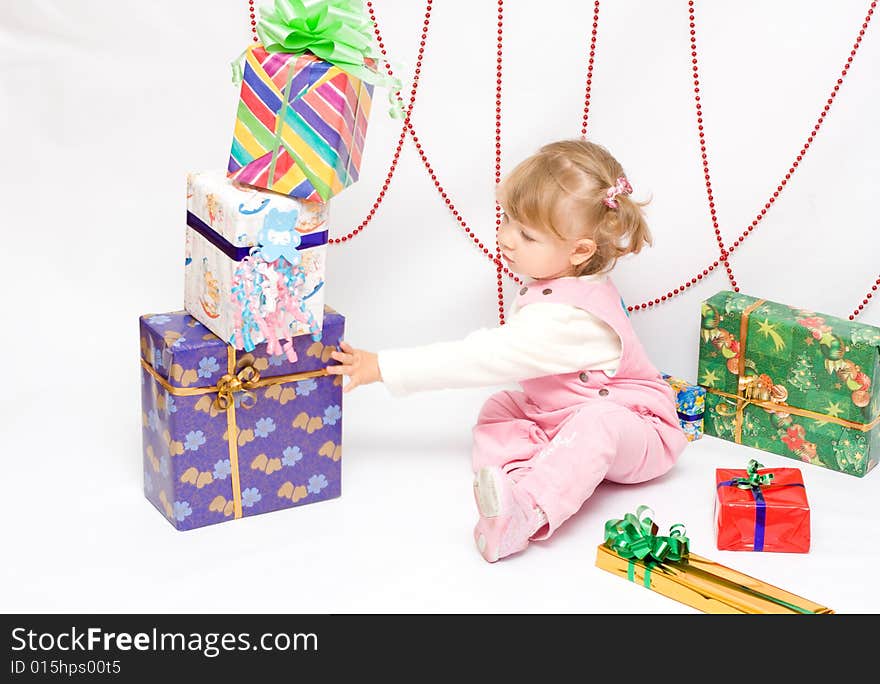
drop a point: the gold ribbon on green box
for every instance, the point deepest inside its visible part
(241, 377)
(749, 392)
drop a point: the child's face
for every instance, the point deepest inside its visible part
(536, 253)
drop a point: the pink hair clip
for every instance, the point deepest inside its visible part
(621, 187)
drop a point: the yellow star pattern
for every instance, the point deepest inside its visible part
(766, 326)
(833, 409)
(709, 379)
(768, 329)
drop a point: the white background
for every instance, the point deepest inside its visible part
(105, 105)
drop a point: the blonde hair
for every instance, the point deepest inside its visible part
(562, 187)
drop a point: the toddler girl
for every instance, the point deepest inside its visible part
(592, 407)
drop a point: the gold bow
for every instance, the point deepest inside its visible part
(244, 380)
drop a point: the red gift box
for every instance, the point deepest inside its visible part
(750, 516)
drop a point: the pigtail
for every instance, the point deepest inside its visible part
(628, 224)
(619, 230)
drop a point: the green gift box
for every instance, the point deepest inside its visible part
(791, 381)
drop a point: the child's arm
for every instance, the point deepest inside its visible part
(361, 366)
(539, 339)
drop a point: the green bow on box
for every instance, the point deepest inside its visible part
(335, 31)
(754, 479)
(635, 537)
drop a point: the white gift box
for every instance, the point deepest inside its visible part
(255, 262)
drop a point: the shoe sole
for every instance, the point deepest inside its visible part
(487, 493)
(490, 555)
(488, 498)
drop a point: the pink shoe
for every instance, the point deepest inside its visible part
(507, 520)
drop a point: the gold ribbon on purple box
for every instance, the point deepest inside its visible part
(242, 379)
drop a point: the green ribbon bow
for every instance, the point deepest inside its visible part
(753, 479)
(635, 537)
(335, 31)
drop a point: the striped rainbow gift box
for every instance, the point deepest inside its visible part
(300, 126)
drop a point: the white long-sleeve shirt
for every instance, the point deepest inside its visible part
(538, 339)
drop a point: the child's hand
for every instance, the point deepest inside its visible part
(362, 367)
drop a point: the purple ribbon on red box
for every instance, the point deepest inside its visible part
(755, 482)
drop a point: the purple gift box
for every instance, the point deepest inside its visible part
(285, 417)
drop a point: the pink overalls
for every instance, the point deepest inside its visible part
(564, 434)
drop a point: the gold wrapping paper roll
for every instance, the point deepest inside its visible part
(710, 587)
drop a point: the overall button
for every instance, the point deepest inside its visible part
(547, 291)
(524, 290)
(603, 392)
(583, 377)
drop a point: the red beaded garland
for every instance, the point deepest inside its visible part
(410, 129)
(868, 297)
(724, 251)
(593, 36)
(498, 71)
(407, 126)
(419, 149)
(253, 20)
(799, 157)
(727, 251)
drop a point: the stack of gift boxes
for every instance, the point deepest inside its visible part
(239, 414)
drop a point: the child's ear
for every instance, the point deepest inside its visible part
(583, 251)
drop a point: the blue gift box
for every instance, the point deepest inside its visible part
(690, 401)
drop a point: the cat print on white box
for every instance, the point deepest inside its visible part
(238, 215)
